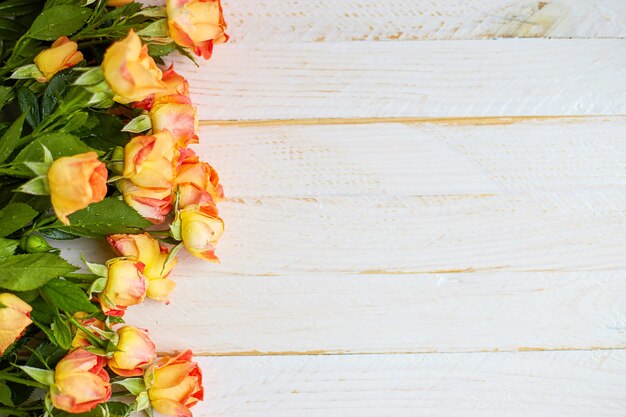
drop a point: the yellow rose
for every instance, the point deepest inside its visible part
(152, 203)
(14, 319)
(75, 182)
(174, 384)
(148, 251)
(196, 24)
(177, 115)
(201, 228)
(134, 352)
(150, 161)
(80, 382)
(197, 181)
(176, 83)
(62, 54)
(126, 286)
(81, 339)
(130, 71)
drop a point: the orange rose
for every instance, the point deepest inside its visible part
(62, 54)
(174, 384)
(126, 286)
(75, 182)
(80, 339)
(196, 24)
(118, 3)
(197, 181)
(14, 319)
(150, 161)
(176, 115)
(148, 251)
(134, 352)
(80, 382)
(176, 85)
(130, 71)
(201, 228)
(152, 203)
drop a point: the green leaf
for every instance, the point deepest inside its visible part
(7, 247)
(59, 144)
(30, 105)
(62, 333)
(54, 91)
(5, 395)
(138, 124)
(6, 95)
(31, 271)
(68, 296)
(43, 376)
(58, 21)
(157, 29)
(10, 29)
(15, 216)
(18, 7)
(133, 385)
(57, 234)
(110, 216)
(11, 138)
(36, 186)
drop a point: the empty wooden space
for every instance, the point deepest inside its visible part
(425, 211)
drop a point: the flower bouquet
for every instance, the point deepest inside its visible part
(96, 136)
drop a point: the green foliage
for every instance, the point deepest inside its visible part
(59, 144)
(15, 216)
(57, 21)
(7, 247)
(11, 138)
(31, 271)
(67, 296)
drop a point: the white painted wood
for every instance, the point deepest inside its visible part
(510, 77)
(324, 313)
(537, 384)
(417, 159)
(282, 21)
(563, 231)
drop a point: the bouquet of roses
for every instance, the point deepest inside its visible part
(95, 136)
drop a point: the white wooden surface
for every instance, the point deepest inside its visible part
(405, 236)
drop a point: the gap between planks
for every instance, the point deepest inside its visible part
(446, 121)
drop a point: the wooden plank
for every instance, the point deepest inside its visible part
(417, 159)
(511, 77)
(561, 231)
(322, 313)
(538, 384)
(268, 21)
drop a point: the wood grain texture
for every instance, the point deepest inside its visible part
(323, 313)
(510, 77)
(538, 384)
(417, 159)
(254, 21)
(562, 231)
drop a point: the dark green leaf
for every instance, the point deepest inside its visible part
(10, 29)
(59, 144)
(106, 132)
(47, 354)
(6, 95)
(29, 105)
(57, 234)
(62, 333)
(54, 91)
(158, 50)
(19, 7)
(7, 247)
(58, 21)
(11, 138)
(15, 216)
(68, 296)
(107, 217)
(5, 395)
(27, 272)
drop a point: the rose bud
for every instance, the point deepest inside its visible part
(14, 319)
(80, 338)
(150, 161)
(62, 54)
(75, 182)
(198, 183)
(34, 244)
(126, 286)
(201, 228)
(176, 115)
(196, 24)
(148, 251)
(134, 352)
(131, 73)
(152, 203)
(80, 382)
(174, 385)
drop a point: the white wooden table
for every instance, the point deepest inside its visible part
(422, 220)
